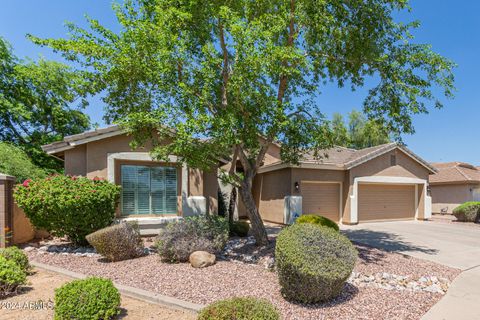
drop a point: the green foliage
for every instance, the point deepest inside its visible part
(15, 162)
(239, 228)
(118, 242)
(468, 212)
(317, 220)
(16, 255)
(313, 262)
(91, 298)
(247, 308)
(11, 276)
(35, 104)
(68, 206)
(179, 239)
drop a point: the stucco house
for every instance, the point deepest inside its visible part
(386, 182)
(454, 184)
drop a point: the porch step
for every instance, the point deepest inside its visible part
(151, 226)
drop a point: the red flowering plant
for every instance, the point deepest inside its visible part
(68, 206)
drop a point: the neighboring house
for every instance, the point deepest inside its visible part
(386, 182)
(454, 184)
(150, 188)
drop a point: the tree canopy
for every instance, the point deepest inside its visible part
(36, 101)
(234, 71)
(357, 132)
(15, 162)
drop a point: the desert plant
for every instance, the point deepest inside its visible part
(313, 262)
(91, 298)
(118, 242)
(318, 220)
(468, 212)
(247, 308)
(68, 206)
(16, 255)
(11, 276)
(179, 239)
(239, 228)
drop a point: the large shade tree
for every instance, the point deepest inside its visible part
(234, 76)
(40, 102)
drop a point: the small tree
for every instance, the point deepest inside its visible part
(245, 74)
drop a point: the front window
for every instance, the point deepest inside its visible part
(148, 189)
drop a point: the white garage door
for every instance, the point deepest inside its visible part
(321, 199)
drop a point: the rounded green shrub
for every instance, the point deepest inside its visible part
(247, 308)
(318, 220)
(180, 238)
(91, 298)
(239, 228)
(313, 262)
(16, 255)
(118, 242)
(11, 276)
(468, 212)
(68, 206)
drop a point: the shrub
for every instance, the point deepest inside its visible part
(91, 298)
(313, 262)
(18, 256)
(318, 220)
(15, 162)
(248, 308)
(118, 242)
(468, 212)
(179, 239)
(68, 206)
(11, 276)
(239, 228)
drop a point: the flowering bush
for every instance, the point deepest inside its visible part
(68, 206)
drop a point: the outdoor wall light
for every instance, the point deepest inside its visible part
(297, 186)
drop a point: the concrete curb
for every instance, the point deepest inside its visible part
(131, 292)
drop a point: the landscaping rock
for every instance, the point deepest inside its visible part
(202, 259)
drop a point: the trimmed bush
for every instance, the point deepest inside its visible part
(248, 308)
(313, 262)
(11, 276)
(91, 298)
(318, 220)
(68, 206)
(179, 239)
(118, 242)
(468, 212)
(18, 256)
(239, 228)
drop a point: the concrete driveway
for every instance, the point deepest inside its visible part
(451, 244)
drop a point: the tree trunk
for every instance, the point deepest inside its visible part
(258, 229)
(232, 204)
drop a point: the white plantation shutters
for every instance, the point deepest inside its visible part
(149, 190)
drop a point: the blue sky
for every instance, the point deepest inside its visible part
(452, 27)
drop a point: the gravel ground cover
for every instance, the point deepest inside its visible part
(243, 275)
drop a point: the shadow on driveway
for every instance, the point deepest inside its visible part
(385, 241)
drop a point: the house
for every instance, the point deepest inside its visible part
(386, 182)
(150, 189)
(454, 184)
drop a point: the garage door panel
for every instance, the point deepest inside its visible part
(321, 199)
(386, 202)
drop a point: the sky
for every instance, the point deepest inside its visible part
(451, 27)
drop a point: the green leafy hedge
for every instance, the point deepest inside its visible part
(18, 256)
(91, 298)
(468, 212)
(68, 206)
(318, 220)
(118, 242)
(15, 162)
(247, 308)
(11, 276)
(313, 262)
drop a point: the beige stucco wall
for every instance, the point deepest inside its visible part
(270, 189)
(23, 230)
(76, 161)
(450, 196)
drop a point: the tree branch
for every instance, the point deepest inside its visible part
(282, 86)
(225, 64)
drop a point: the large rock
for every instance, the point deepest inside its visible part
(202, 259)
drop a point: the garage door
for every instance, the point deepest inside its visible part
(386, 202)
(321, 199)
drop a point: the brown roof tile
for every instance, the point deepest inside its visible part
(455, 172)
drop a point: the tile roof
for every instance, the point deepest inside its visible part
(455, 172)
